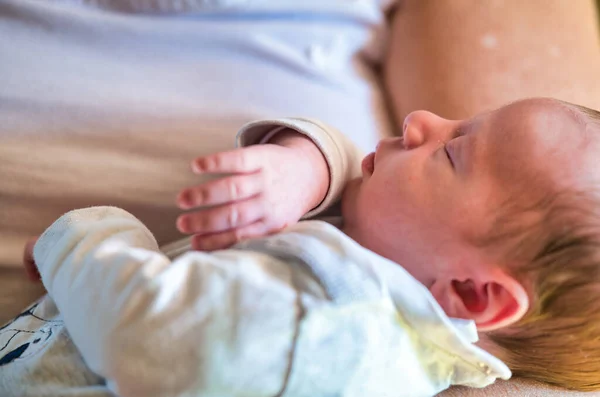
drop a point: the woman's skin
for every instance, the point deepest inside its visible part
(457, 58)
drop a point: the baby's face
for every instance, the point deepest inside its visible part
(426, 197)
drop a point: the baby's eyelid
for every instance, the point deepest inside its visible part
(448, 154)
(458, 132)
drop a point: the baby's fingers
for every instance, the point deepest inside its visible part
(243, 160)
(228, 238)
(221, 191)
(221, 218)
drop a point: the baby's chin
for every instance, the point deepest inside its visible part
(350, 198)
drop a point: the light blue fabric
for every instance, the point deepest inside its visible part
(125, 93)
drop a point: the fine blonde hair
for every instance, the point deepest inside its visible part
(558, 340)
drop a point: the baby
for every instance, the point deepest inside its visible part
(494, 220)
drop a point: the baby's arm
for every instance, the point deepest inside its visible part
(285, 170)
(153, 327)
(342, 156)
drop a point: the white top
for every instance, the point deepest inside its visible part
(305, 313)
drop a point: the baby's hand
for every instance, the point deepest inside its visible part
(268, 187)
(28, 262)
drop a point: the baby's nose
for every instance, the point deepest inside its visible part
(412, 131)
(421, 126)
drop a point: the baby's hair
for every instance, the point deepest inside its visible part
(557, 252)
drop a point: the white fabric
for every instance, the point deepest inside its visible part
(246, 321)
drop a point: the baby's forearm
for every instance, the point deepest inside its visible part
(321, 142)
(315, 164)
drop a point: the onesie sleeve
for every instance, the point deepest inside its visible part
(342, 156)
(201, 324)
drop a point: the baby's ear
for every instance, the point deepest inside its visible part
(493, 300)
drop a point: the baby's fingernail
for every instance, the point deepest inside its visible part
(199, 244)
(184, 200)
(183, 224)
(198, 166)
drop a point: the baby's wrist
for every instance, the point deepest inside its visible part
(316, 165)
(292, 139)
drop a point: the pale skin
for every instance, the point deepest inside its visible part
(429, 195)
(272, 186)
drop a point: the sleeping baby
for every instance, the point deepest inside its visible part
(489, 224)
